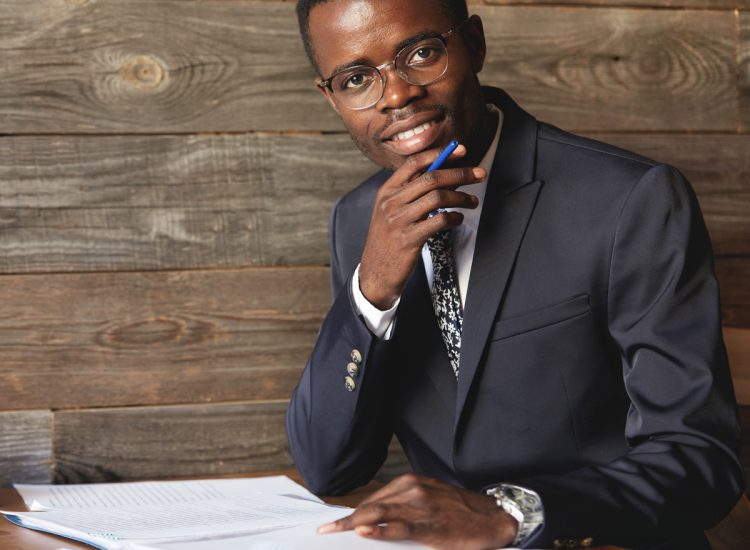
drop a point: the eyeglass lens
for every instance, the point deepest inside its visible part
(420, 64)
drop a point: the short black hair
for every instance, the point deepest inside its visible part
(455, 9)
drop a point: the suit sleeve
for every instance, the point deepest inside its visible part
(339, 438)
(681, 472)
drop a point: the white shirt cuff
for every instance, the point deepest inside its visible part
(379, 322)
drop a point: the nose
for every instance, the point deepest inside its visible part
(397, 92)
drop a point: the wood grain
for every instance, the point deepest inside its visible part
(157, 442)
(733, 275)
(154, 66)
(738, 347)
(743, 78)
(696, 4)
(167, 202)
(25, 447)
(97, 67)
(115, 339)
(115, 203)
(574, 66)
(187, 440)
(733, 533)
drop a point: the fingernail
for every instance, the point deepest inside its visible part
(479, 173)
(327, 528)
(364, 530)
(459, 150)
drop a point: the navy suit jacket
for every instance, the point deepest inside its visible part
(592, 366)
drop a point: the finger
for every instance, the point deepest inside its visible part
(449, 178)
(394, 530)
(331, 527)
(398, 485)
(355, 519)
(409, 487)
(418, 163)
(430, 206)
(435, 201)
(423, 221)
(341, 524)
(421, 231)
(371, 514)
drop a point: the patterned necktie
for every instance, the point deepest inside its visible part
(445, 298)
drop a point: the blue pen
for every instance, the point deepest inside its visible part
(448, 151)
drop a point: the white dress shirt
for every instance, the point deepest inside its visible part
(380, 322)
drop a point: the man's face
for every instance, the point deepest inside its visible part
(371, 32)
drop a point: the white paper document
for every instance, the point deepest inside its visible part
(116, 527)
(112, 495)
(270, 513)
(141, 515)
(302, 537)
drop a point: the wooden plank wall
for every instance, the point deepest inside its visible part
(166, 171)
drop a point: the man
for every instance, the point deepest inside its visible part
(537, 322)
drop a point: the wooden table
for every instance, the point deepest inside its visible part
(13, 537)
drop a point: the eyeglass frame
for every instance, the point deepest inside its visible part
(326, 84)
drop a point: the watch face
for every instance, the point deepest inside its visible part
(525, 500)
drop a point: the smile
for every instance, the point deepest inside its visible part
(414, 131)
(414, 134)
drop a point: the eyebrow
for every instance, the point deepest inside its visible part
(400, 46)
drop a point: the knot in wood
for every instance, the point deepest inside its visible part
(143, 72)
(158, 331)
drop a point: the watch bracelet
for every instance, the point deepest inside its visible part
(524, 505)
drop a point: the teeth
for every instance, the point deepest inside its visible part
(413, 132)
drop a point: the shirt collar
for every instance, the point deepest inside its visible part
(471, 216)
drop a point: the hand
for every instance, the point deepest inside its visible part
(430, 512)
(399, 226)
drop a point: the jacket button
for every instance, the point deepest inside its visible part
(349, 383)
(356, 356)
(352, 369)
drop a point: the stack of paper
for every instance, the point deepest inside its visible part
(244, 513)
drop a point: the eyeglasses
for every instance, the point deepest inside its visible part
(362, 86)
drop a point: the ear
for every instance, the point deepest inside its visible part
(327, 95)
(475, 42)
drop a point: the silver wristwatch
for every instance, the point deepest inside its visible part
(523, 504)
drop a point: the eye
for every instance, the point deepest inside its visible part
(354, 81)
(423, 55)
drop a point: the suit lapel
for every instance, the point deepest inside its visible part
(509, 203)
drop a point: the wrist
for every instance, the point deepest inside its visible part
(507, 529)
(524, 505)
(374, 293)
